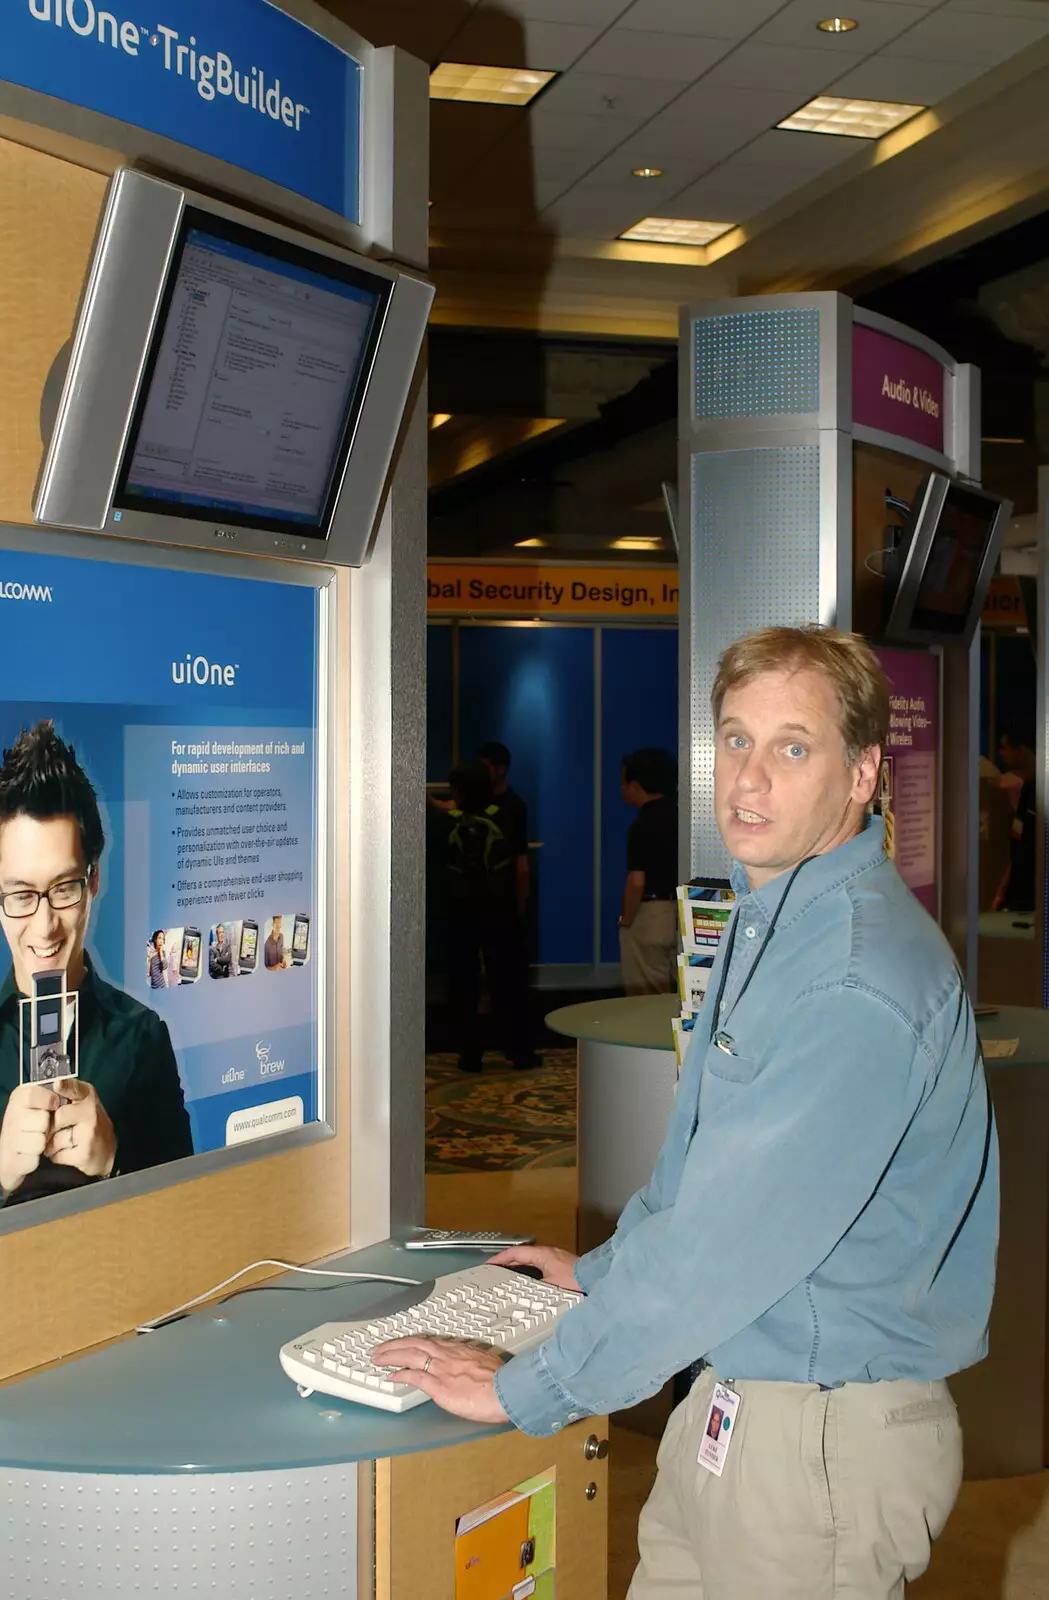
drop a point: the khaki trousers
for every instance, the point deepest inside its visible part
(825, 1494)
(648, 949)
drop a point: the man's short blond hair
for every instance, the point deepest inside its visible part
(845, 659)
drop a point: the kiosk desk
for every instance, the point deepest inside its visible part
(184, 1462)
(627, 1076)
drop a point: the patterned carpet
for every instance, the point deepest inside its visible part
(500, 1120)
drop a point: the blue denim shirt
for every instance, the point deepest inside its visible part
(825, 1205)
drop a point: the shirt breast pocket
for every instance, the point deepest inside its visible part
(733, 1065)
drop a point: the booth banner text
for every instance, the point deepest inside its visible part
(544, 591)
(241, 81)
(897, 388)
(908, 788)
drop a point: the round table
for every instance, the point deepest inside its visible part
(627, 1078)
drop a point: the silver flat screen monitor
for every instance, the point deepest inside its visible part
(233, 384)
(166, 837)
(951, 546)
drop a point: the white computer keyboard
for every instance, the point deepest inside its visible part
(492, 1305)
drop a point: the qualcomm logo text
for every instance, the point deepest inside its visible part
(267, 1068)
(25, 591)
(211, 74)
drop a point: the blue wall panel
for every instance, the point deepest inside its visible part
(533, 688)
(638, 709)
(439, 706)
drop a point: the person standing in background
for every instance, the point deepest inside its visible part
(1016, 891)
(514, 818)
(648, 931)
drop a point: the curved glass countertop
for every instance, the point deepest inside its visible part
(208, 1394)
(642, 1022)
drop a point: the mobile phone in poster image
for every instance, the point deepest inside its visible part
(217, 850)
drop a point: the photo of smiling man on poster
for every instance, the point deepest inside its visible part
(123, 1110)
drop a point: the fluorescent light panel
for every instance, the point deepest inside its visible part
(631, 543)
(856, 119)
(490, 86)
(675, 230)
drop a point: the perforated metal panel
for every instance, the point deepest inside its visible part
(754, 562)
(757, 364)
(241, 1536)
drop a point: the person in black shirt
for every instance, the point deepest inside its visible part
(648, 931)
(497, 758)
(483, 923)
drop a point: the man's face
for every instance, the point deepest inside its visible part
(37, 855)
(220, 934)
(782, 791)
(276, 927)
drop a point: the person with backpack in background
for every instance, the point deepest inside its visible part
(481, 852)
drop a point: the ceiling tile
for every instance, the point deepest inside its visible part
(706, 19)
(574, 130)
(774, 66)
(879, 21)
(604, 209)
(719, 108)
(676, 171)
(969, 36)
(807, 155)
(595, 93)
(680, 148)
(526, 169)
(460, 135)
(493, 39)
(1030, 10)
(424, 33)
(920, 83)
(599, 13)
(629, 52)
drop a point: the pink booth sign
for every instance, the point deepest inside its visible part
(909, 784)
(897, 388)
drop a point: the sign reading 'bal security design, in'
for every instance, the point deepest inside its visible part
(240, 80)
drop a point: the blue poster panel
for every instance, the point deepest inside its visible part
(159, 822)
(241, 81)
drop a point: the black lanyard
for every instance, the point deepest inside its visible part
(715, 1030)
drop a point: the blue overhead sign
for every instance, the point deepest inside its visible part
(241, 81)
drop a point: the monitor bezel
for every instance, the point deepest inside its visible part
(926, 511)
(193, 220)
(93, 547)
(134, 259)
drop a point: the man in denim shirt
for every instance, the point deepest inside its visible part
(821, 1225)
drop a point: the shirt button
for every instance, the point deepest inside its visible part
(751, 933)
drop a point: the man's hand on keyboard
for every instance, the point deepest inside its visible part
(557, 1266)
(458, 1376)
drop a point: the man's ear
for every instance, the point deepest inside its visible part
(865, 775)
(93, 881)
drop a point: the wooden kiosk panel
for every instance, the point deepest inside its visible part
(419, 1498)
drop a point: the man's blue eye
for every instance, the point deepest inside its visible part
(795, 751)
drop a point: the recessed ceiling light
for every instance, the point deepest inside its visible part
(856, 119)
(493, 86)
(439, 419)
(530, 544)
(647, 172)
(675, 230)
(636, 544)
(837, 24)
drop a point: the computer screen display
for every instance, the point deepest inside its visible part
(166, 728)
(951, 574)
(254, 380)
(951, 544)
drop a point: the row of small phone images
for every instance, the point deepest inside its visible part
(234, 949)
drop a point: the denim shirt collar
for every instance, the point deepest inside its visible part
(821, 874)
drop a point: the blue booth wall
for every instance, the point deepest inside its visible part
(570, 701)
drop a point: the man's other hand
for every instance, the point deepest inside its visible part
(83, 1135)
(557, 1266)
(457, 1376)
(24, 1134)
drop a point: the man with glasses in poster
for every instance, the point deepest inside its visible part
(124, 1109)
